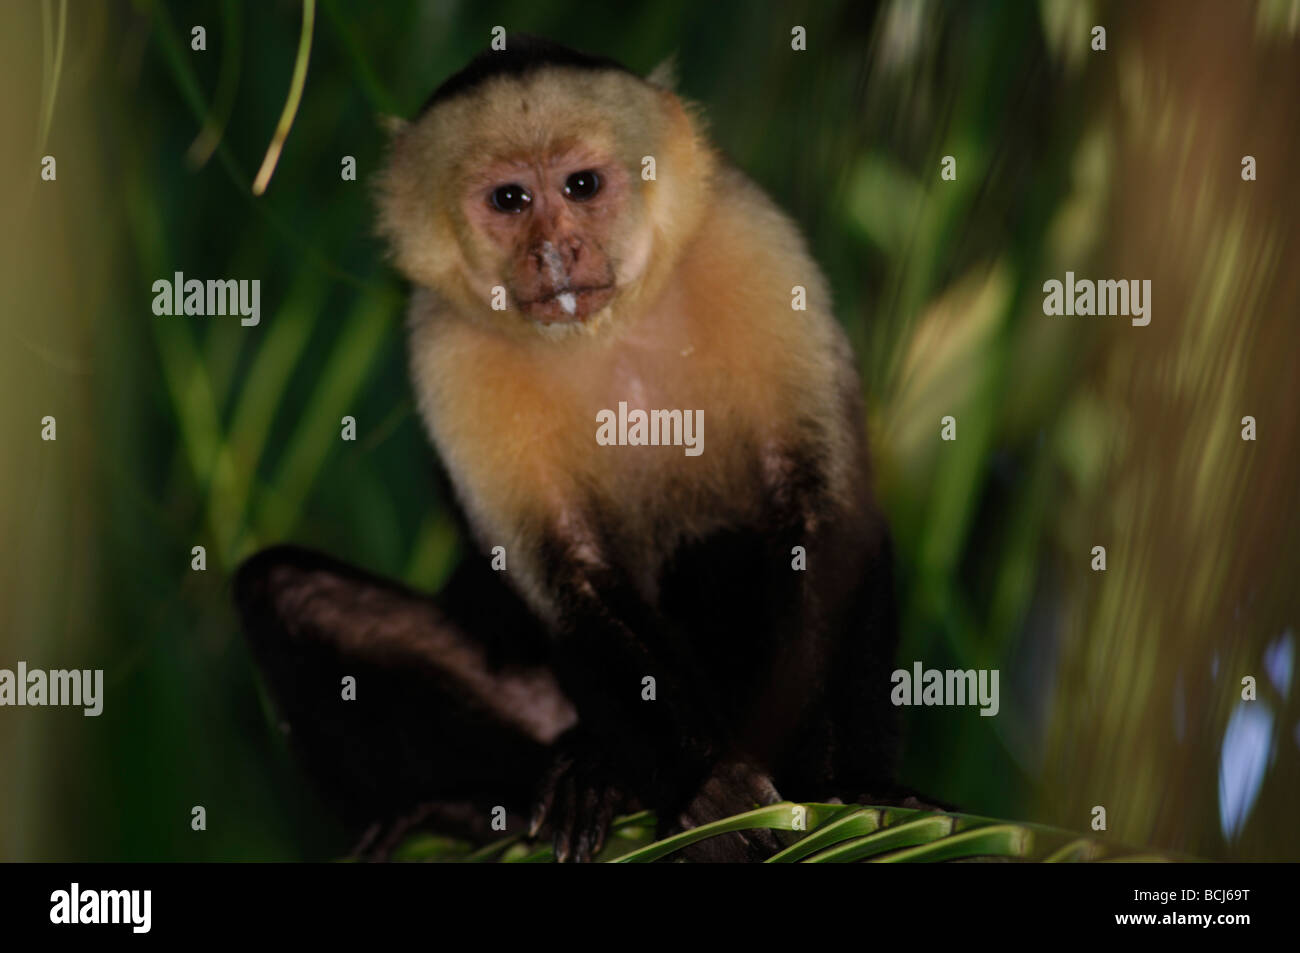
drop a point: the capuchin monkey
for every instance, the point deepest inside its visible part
(689, 611)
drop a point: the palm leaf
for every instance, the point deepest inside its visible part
(825, 833)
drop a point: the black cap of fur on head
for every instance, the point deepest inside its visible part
(523, 54)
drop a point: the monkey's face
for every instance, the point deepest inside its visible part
(553, 225)
(523, 203)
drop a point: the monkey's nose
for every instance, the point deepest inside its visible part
(556, 259)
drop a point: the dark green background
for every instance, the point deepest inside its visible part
(1117, 688)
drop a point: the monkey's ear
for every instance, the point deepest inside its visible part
(665, 74)
(393, 125)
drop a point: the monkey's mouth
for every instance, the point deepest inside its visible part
(568, 305)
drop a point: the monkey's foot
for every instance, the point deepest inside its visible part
(732, 787)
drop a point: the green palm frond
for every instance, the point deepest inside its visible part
(823, 833)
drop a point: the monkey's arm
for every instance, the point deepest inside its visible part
(454, 705)
(628, 749)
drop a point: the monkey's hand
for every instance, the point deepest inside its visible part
(580, 795)
(732, 787)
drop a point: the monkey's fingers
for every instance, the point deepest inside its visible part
(546, 793)
(581, 805)
(564, 839)
(598, 803)
(606, 807)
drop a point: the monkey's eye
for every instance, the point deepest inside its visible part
(512, 198)
(582, 185)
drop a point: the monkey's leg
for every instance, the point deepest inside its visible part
(453, 706)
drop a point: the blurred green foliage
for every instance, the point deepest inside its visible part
(1117, 688)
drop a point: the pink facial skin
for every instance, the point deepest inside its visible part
(557, 263)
